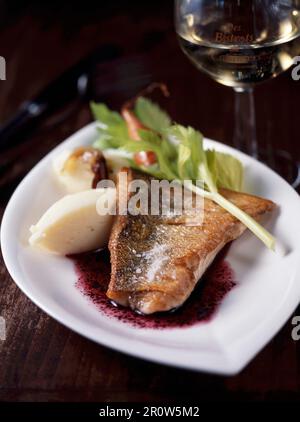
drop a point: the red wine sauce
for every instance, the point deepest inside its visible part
(93, 272)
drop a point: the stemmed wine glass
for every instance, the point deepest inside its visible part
(240, 43)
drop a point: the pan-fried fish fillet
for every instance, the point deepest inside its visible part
(155, 265)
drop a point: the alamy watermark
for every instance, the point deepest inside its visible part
(2, 69)
(154, 197)
(296, 70)
(2, 329)
(296, 329)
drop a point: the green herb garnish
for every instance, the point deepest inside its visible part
(151, 115)
(180, 156)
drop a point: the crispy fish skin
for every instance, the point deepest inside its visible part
(156, 265)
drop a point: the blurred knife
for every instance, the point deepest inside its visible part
(71, 84)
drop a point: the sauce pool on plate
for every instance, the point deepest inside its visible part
(93, 274)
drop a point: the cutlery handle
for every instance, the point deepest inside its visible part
(74, 82)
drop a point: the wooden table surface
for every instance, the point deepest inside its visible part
(41, 360)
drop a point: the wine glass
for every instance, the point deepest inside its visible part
(240, 43)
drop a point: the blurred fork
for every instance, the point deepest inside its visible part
(94, 77)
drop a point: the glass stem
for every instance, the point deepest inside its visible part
(244, 137)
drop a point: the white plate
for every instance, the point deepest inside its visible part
(250, 315)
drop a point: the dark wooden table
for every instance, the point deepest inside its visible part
(41, 360)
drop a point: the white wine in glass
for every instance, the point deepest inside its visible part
(240, 43)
